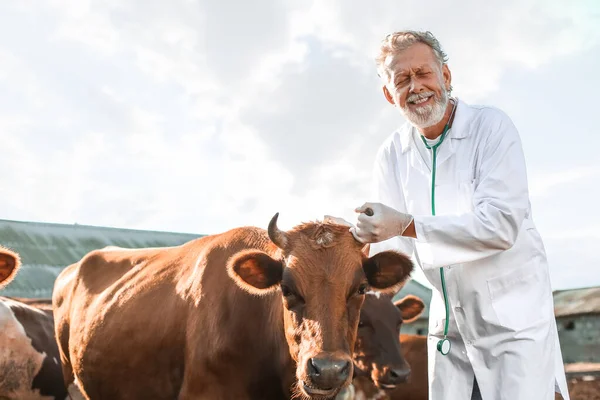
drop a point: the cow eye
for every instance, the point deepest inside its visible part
(292, 299)
(285, 291)
(361, 324)
(362, 289)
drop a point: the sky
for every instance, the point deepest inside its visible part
(201, 116)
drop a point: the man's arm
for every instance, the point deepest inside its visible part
(500, 203)
(387, 190)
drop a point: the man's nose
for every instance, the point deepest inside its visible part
(415, 86)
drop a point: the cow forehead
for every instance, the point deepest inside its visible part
(316, 236)
(328, 274)
(377, 307)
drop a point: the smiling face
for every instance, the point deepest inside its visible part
(323, 276)
(417, 84)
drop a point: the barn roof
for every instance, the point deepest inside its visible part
(577, 301)
(46, 249)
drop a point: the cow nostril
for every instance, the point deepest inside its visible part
(345, 369)
(328, 370)
(313, 368)
(398, 374)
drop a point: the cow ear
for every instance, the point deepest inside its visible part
(9, 265)
(387, 271)
(255, 271)
(411, 307)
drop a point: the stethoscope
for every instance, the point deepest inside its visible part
(443, 345)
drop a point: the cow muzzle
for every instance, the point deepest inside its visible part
(326, 375)
(391, 377)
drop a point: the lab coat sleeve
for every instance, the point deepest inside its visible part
(386, 189)
(500, 204)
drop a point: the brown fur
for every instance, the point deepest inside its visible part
(414, 349)
(172, 323)
(415, 352)
(378, 353)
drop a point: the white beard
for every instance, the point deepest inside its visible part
(427, 115)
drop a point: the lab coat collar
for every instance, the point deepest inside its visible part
(459, 129)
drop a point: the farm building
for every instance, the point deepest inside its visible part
(46, 249)
(577, 314)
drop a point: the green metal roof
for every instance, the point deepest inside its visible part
(46, 249)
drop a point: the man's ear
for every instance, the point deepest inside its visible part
(255, 271)
(388, 95)
(447, 76)
(9, 265)
(387, 271)
(411, 307)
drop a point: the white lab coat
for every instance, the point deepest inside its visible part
(502, 325)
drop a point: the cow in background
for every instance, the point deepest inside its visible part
(29, 359)
(381, 360)
(245, 314)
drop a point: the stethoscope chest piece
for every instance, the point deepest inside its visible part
(443, 346)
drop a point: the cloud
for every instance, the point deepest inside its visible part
(543, 184)
(201, 116)
(483, 40)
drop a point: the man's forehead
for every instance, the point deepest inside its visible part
(413, 58)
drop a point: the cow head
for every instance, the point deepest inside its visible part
(377, 353)
(9, 265)
(322, 276)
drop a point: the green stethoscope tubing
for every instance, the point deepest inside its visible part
(443, 345)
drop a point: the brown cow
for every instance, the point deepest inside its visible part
(379, 360)
(378, 352)
(414, 348)
(29, 359)
(245, 314)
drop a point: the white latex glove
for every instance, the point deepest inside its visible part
(385, 223)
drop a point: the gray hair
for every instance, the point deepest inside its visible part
(398, 41)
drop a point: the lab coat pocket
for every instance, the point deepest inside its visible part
(517, 297)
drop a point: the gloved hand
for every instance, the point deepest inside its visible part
(385, 223)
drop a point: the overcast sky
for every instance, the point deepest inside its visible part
(200, 116)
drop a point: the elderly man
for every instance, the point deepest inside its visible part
(451, 188)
